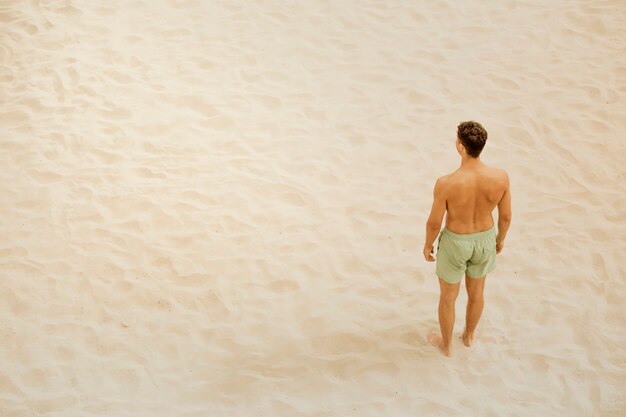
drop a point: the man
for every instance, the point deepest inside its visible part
(468, 244)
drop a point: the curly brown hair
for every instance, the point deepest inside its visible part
(473, 136)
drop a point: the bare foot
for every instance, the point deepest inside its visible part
(437, 342)
(468, 339)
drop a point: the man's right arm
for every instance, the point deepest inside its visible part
(504, 215)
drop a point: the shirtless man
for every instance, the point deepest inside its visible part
(468, 243)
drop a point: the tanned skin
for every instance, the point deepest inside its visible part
(467, 197)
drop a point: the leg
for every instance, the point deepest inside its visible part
(475, 304)
(447, 297)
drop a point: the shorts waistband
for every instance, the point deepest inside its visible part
(477, 235)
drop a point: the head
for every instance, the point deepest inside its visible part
(470, 139)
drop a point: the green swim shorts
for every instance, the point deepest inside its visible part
(473, 254)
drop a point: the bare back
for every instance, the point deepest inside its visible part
(472, 193)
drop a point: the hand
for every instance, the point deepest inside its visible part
(428, 254)
(499, 246)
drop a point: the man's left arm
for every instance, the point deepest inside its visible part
(433, 225)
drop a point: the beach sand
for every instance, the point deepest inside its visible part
(218, 208)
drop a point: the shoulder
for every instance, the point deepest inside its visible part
(498, 174)
(442, 183)
(503, 176)
(502, 179)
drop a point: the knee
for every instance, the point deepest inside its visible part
(447, 298)
(475, 298)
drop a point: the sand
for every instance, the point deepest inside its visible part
(217, 208)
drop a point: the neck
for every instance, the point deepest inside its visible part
(467, 161)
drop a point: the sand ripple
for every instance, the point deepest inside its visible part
(212, 208)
